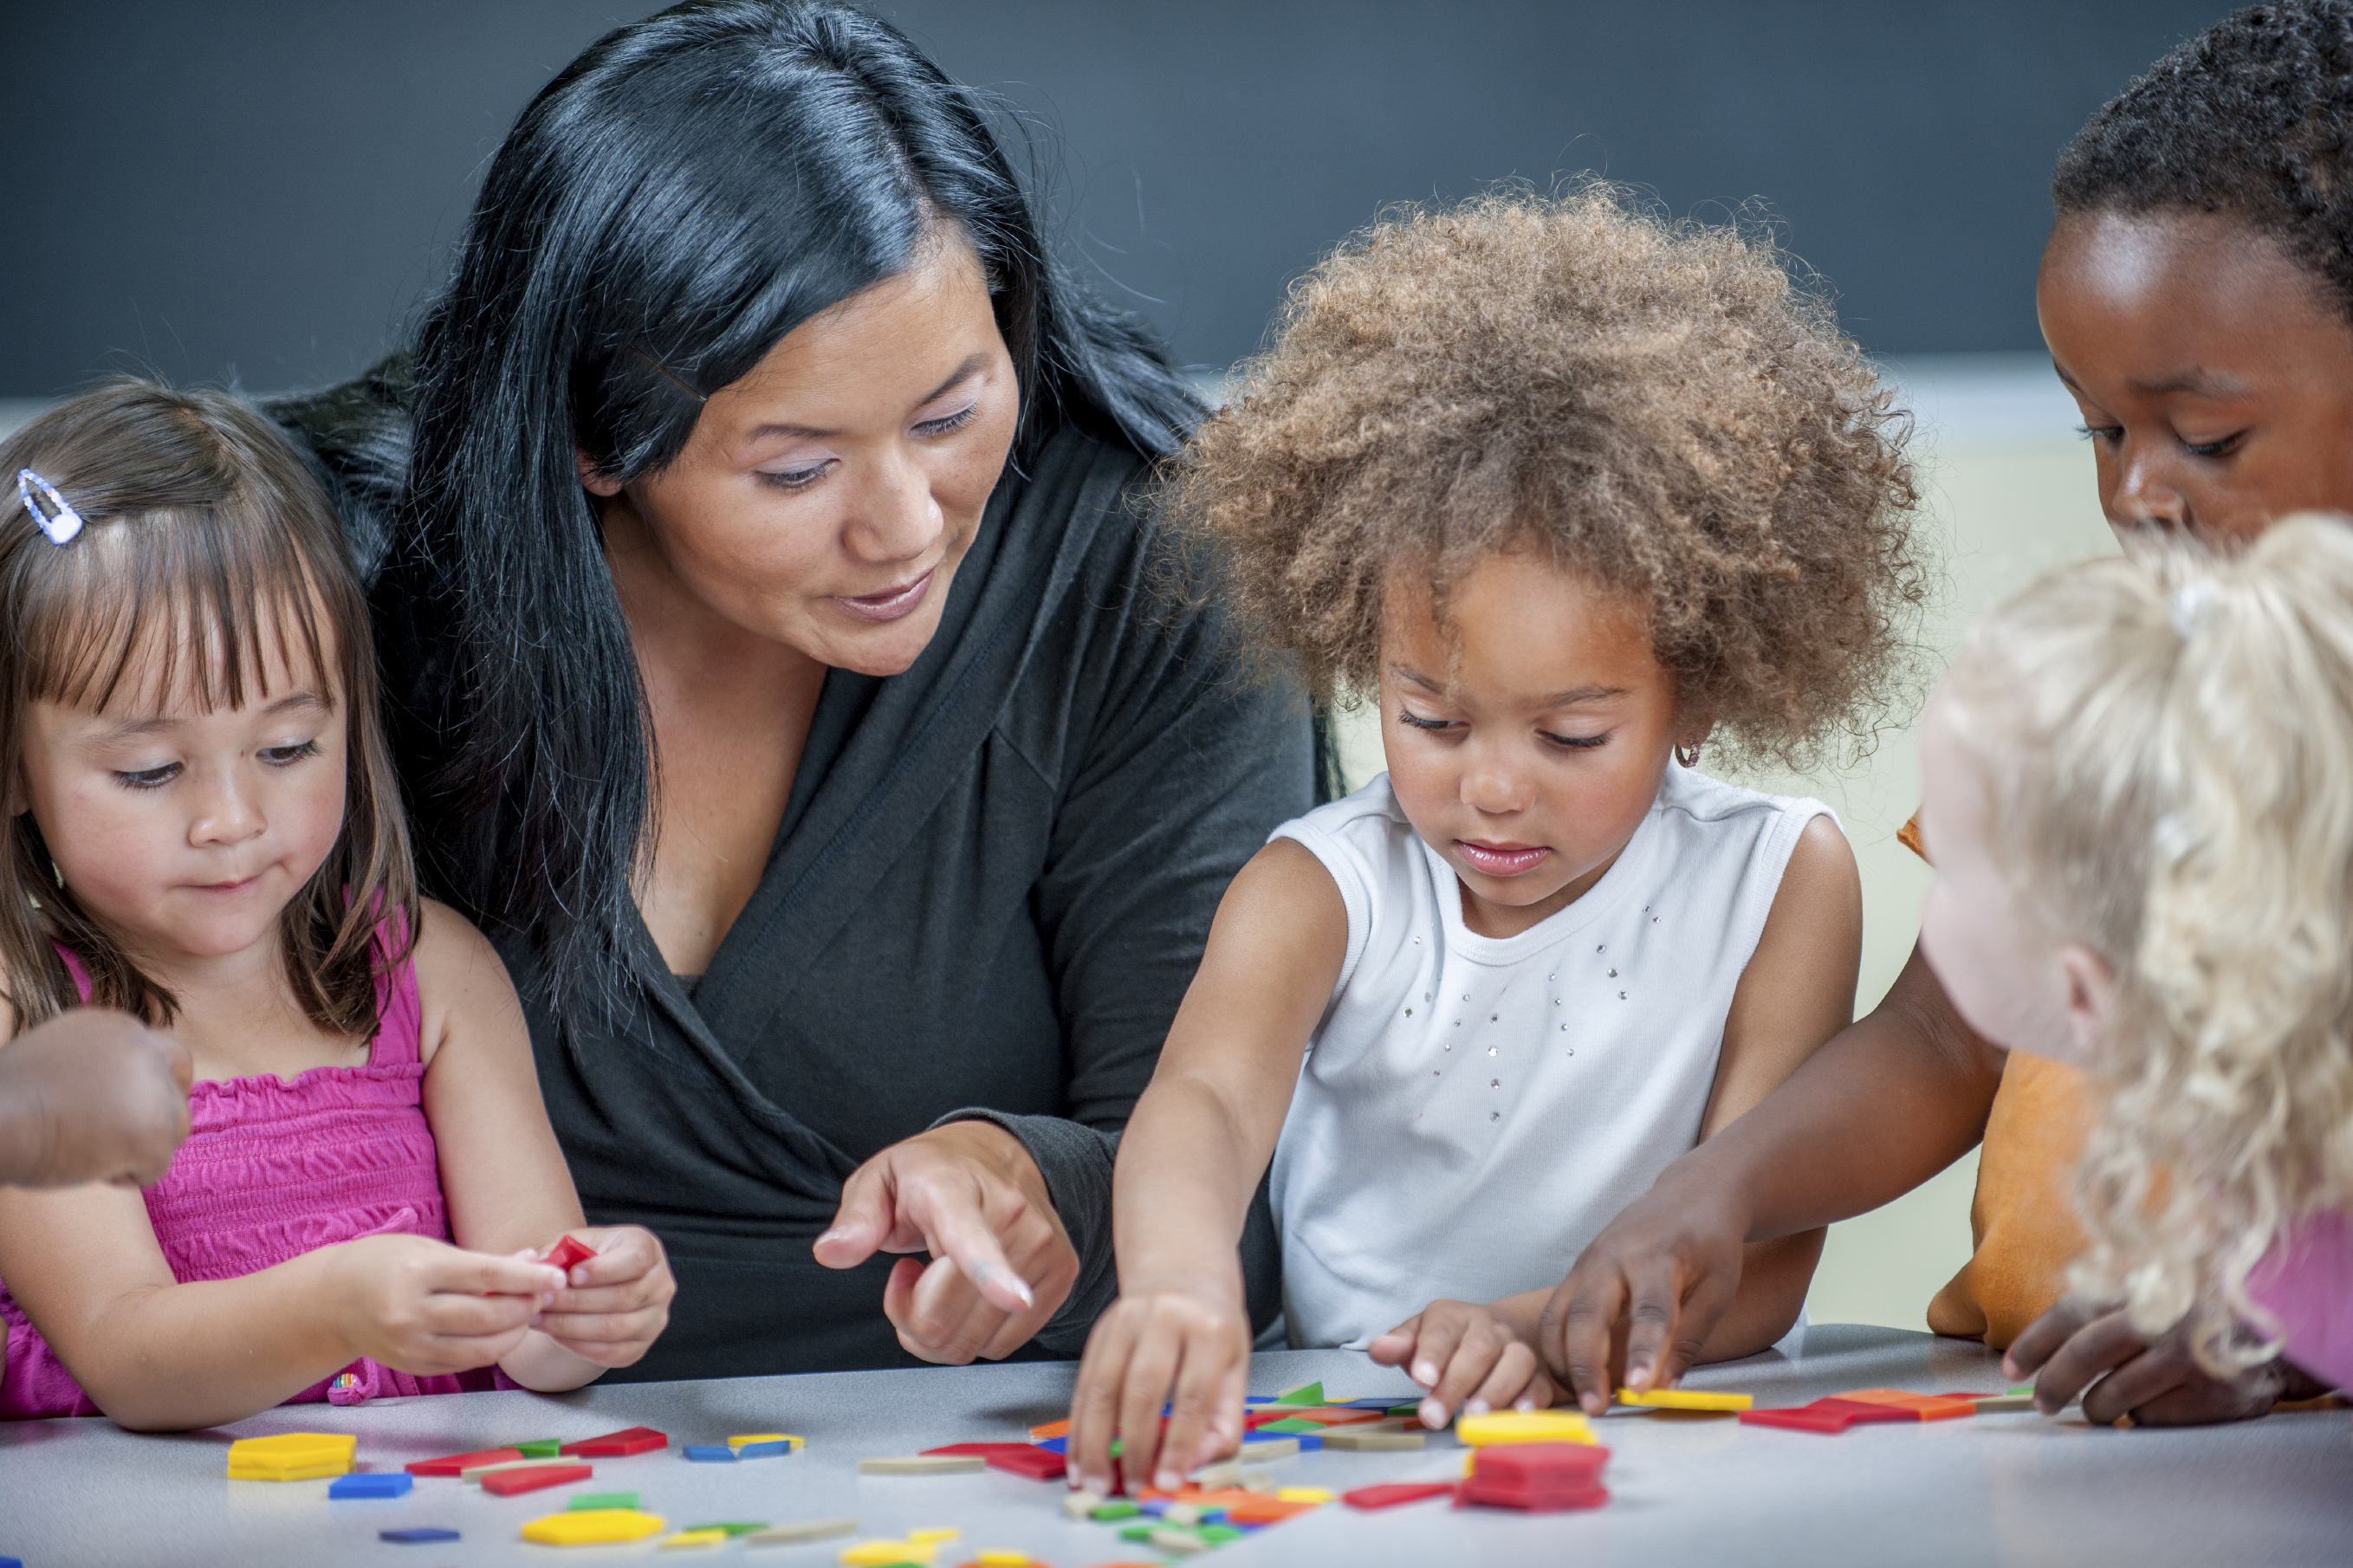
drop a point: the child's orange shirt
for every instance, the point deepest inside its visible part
(2022, 1227)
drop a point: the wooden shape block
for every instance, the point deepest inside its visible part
(292, 1456)
(1798, 1418)
(1864, 1413)
(933, 1536)
(1389, 1494)
(602, 1500)
(533, 1478)
(592, 1527)
(476, 1472)
(708, 1453)
(1926, 1407)
(417, 1535)
(1036, 1463)
(879, 1554)
(997, 1559)
(1305, 1394)
(2002, 1402)
(1374, 1442)
(541, 1448)
(1183, 1543)
(695, 1538)
(1530, 1500)
(1266, 1510)
(1291, 1427)
(805, 1529)
(393, 1483)
(1541, 1464)
(733, 1526)
(1685, 1399)
(455, 1465)
(1113, 1512)
(617, 1445)
(1259, 1449)
(777, 1448)
(567, 1251)
(1050, 1429)
(1522, 1426)
(922, 1465)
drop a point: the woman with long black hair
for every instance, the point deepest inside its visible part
(782, 666)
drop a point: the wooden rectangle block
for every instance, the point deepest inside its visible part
(533, 1478)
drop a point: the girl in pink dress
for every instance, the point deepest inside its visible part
(2139, 785)
(205, 831)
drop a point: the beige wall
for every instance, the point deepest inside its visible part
(2011, 495)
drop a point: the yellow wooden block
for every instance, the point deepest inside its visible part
(695, 1538)
(1302, 1494)
(1004, 1559)
(1524, 1426)
(592, 1527)
(293, 1473)
(277, 1458)
(884, 1553)
(1684, 1399)
(936, 1533)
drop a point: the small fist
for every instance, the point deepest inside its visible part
(93, 1095)
(616, 1298)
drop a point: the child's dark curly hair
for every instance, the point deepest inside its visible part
(2254, 117)
(1654, 404)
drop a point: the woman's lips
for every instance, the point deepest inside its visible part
(1501, 859)
(890, 604)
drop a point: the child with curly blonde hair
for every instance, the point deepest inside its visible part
(2139, 811)
(1568, 489)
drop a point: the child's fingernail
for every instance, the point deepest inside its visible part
(1475, 1407)
(1425, 1373)
(1168, 1480)
(836, 1234)
(1525, 1402)
(1638, 1375)
(1432, 1413)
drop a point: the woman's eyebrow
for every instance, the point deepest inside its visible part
(2198, 382)
(961, 374)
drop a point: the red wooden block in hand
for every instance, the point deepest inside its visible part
(569, 1250)
(1391, 1493)
(452, 1465)
(617, 1445)
(507, 1483)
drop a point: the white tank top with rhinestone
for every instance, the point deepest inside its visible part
(1473, 1110)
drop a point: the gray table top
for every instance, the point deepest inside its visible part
(2011, 1489)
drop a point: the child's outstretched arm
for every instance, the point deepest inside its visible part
(507, 1188)
(92, 1096)
(1188, 1165)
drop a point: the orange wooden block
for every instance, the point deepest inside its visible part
(1926, 1407)
(1267, 1510)
(1050, 1429)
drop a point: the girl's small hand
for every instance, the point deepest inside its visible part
(1469, 1357)
(616, 1304)
(1197, 1342)
(427, 1308)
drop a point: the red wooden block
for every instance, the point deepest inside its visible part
(1570, 1465)
(450, 1465)
(1831, 1416)
(1532, 1499)
(616, 1444)
(507, 1483)
(568, 1251)
(1389, 1494)
(1037, 1464)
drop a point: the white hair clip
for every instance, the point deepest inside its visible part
(61, 522)
(2189, 600)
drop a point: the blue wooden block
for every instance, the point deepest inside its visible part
(1306, 1440)
(763, 1450)
(419, 1533)
(393, 1483)
(1055, 1445)
(710, 1452)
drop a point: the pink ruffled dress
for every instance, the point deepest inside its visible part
(271, 1169)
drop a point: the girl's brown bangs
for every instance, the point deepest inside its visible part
(195, 593)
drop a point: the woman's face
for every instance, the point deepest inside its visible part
(2215, 374)
(825, 501)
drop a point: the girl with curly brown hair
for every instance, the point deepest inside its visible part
(1570, 490)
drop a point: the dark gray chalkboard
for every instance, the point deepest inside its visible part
(265, 186)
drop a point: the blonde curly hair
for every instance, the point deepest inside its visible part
(2167, 742)
(1654, 403)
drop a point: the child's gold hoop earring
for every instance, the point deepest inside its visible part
(1687, 755)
